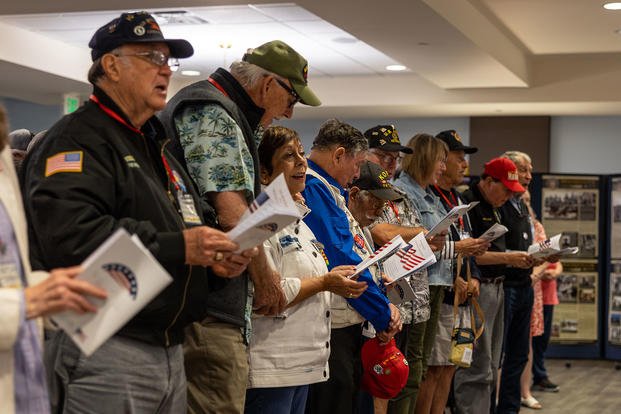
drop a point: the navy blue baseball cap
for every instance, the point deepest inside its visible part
(137, 27)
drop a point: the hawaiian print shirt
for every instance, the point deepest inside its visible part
(215, 151)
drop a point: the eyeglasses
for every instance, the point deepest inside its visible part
(294, 94)
(387, 158)
(157, 58)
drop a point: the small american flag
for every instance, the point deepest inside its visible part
(378, 251)
(409, 259)
(261, 198)
(64, 162)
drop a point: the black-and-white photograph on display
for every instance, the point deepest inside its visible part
(567, 289)
(586, 295)
(614, 328)
(615, 225)
(615, 284)
(570, 205)
(569, 239)
(560, 206)
(569, 325)
(576, 315)
(614, 303)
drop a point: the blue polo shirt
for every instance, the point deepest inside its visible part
(331, 227)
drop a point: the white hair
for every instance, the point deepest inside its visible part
(517, 156)
(248, 74)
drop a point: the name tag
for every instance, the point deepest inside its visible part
(188, 208)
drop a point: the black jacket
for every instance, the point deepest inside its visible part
(122, 183)
(518, 238)
(482, 217)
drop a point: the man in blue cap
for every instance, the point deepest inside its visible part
(106, 166)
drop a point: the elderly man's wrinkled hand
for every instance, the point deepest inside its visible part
(205, 246)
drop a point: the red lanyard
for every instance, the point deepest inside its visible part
(453, 204)
(114, 115)
(217, 85)
(119, 119)
(394, 210)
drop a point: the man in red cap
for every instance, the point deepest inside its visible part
(474, 387)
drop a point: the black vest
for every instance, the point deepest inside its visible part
(226, 299)
(519, 237)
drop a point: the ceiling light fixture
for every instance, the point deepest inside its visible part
(395, 68)
(190, 73)
(613, 6)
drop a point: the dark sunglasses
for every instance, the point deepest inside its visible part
(294, 94)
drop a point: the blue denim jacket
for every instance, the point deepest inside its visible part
(431, 212)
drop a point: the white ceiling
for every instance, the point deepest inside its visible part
(465, 57)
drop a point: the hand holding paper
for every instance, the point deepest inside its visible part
(129, 274)
(494, 232)
(550, 247)
(450, 217)
(380, 254)
(269, 213)
(414, 256)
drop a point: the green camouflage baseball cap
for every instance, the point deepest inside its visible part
(280, 58)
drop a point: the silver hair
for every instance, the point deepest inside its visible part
(517, 156)
(248, 74)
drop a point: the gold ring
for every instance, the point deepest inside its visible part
(218, 256)
(350, 294)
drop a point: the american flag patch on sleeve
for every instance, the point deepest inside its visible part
(70, 161)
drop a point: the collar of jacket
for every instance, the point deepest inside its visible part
(152, 129)
(328, 178)
(409, 184)
(238, 94)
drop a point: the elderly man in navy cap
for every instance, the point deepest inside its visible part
(106, 166)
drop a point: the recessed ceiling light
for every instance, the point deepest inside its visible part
(395, 68)
(613, 6)
(190, 73)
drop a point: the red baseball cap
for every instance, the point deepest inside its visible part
(385, 369)
(504, 170)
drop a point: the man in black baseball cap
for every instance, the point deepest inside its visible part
(453, 141)
(385, 147)
(368, 194)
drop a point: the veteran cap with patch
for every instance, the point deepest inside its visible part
(280, 58)
(386, 138)
(137, 27)
(452, 139)
(385, 369)
(374, 179)
(505, 171)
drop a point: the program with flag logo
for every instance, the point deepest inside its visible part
(130, 275)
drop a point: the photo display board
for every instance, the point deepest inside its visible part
(614, 300)
(614, 289)
(615, 219)
(570, 205)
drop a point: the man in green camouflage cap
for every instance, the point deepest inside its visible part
(215, 126)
